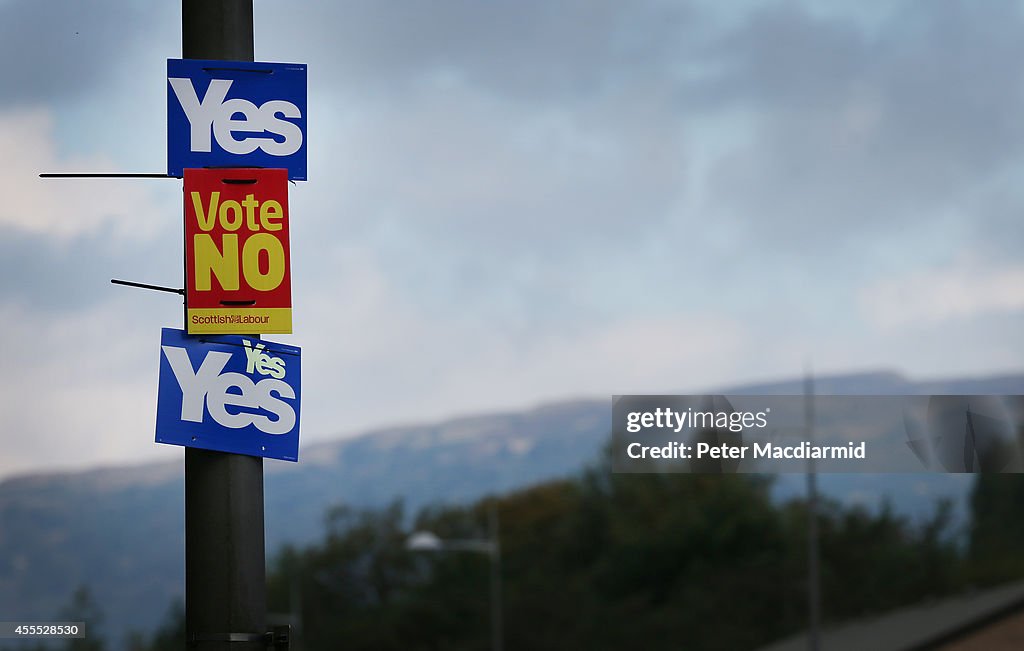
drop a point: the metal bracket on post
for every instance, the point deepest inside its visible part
(279, 638)
(276, 639)
(103, 175)
(196, 639)
(156, 288)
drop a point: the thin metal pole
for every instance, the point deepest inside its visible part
(496, 631)
(157, 288)
(225, 575)
(813, 552)
(101, 175)
(295, 601)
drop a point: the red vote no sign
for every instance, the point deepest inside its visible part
(237, 261)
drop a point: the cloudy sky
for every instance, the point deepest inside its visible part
(516, 202)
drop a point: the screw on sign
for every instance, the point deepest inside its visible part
(237, 251)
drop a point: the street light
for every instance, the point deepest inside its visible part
(426, 541)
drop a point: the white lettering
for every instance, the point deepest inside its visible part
(217, 391)
(284, 412)
(215, 113)
(219, 397)
(256, 361)
(194, 384)
(289, 130)
(226, 124)
(200, 115)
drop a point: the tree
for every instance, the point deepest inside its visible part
(610, 561)
(83, 608)
(997, 527)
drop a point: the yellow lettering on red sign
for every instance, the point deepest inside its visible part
(236, 229)
(222, 261)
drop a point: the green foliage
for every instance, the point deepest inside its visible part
(613, 561)
(997, 527)
(170, 636)
(608, 562)
(605, 561)
(83, 608)
(879, 561)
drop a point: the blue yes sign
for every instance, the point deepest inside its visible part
(236, 114)
(229, 393)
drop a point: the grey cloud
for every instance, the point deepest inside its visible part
(62, 276)
(531, 50)
(55, 50)
(997, 228)
(494, 153)
(858, 135)
(780, 55)
(852, 130)
(455, 190)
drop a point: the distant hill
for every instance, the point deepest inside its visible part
(120, 530)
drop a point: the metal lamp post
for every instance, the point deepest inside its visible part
(426, 541)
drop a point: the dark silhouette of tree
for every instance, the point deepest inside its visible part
(83, 608)
(169, 636)
(997, 527)
(609, 561)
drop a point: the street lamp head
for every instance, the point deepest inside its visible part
(424, 541)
